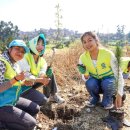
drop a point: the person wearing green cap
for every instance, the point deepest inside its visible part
(36, 68)
(16, 113)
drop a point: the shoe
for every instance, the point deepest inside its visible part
(126, 122)
(91, 100)
(108, 107)
(88, 104)
(56, 98)
(35, 128)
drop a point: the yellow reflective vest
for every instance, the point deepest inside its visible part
(103, 68)
(35, 68)
(124, 64)
(11, 95)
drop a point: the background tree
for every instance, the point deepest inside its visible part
(8, 32)
(120, 32)
(128, 36)
(58, 21)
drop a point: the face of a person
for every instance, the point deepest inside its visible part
(40, 46)
(128, 69)
(17, 53)
(89, 43)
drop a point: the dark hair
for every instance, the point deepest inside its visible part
(34, 53)
(40, 39)
(92, 34)
(128, 64)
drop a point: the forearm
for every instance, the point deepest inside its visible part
(39, 80)
(6, 85)
(42, 76)
(120, 84)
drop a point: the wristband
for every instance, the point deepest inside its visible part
(16, 79)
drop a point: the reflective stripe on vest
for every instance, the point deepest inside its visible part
(35, 68)
(103, 67)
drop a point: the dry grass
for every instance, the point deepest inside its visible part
(65, 61)
(64, 65)
(73, 114)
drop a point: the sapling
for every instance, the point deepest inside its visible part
(118, 55)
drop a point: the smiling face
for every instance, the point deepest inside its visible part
(40, 45)
(89, 41)
(16, 53)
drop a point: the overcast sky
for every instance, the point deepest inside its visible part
(80, 15)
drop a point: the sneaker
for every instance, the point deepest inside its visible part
(108, 107)
(35, 128)
(126, 122)
(56, 98)
(88, 104)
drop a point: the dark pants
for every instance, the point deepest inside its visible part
(35, 96)
(107, 86)
(51, 88)
(19, 117)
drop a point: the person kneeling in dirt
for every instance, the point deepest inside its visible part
(35, 67)
(16, 113)
(98, 67)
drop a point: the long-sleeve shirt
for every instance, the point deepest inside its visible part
(114, 67)
(24, 66)
(3, 82)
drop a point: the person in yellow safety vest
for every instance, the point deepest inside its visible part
(125, 66)
(16, 113)
(98, 67)
(36, 68)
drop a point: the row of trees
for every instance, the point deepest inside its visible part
(118, 36)
(8, 31)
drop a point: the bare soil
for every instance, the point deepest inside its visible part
(73, 114)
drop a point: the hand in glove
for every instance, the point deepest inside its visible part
(81, 68)
(49, 71)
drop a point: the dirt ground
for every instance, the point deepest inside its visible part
(74, 115)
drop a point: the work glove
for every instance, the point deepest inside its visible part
(81, 68)
(49, 71)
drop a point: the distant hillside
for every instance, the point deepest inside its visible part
(50, 34)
